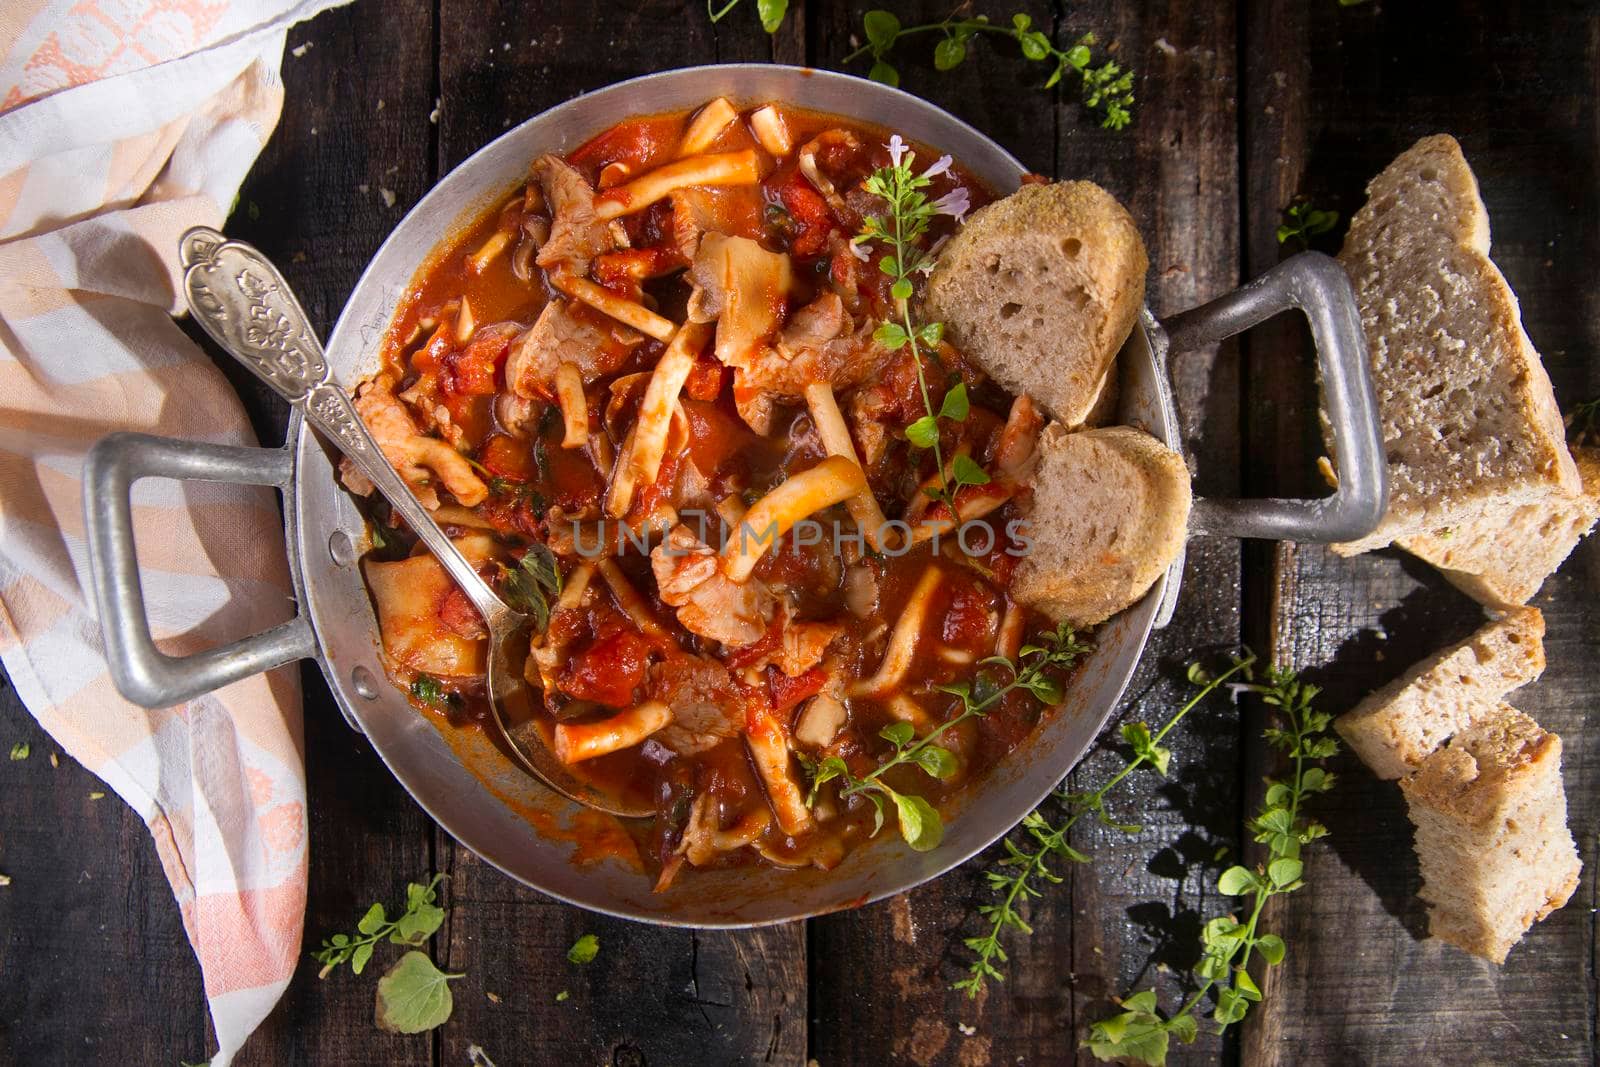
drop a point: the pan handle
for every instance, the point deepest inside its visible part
(1317, 285)
(142, 672)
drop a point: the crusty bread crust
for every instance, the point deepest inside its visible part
(1501, 559)
(1108, 513)
(1398, 726)
(1470, 423)
(1041, 289)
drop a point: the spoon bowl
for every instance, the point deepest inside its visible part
(241, 300)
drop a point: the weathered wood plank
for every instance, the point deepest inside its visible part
(1331, 97)
(87, 917)
(1139, 908)
(655, 995)
(354, 131)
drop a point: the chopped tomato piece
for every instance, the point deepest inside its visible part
(459, 616)
(509, 457)
(705, 381)
(970, 617)
(762, 647)
(787, 692)
(474, 370)
(812, 219)
(608, 671)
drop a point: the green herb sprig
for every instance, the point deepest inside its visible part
(1138, 1032)
(1302, 222)
(414, 995)
(412, 927)
(919, 821)
(772, 12)
(1106, 88)
(1016, 878)
(902, 231)
(529, 586)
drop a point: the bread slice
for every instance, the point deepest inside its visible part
(1501, 560)
(1041, 289)
(1470, 424)
(1397, 727)
(1109, 512)
(1490, 815)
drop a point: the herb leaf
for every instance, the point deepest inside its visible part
(20, 751)
(1016, 876)
(1301, 222)
(584, 950)
(918, 821)
(529, 586)
(421, 918)
(1107, 89)
(414, 996)
(1227, 944)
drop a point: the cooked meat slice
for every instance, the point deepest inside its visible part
(820, 344)
(576, 236)
(706, 705)
(566, 332)
(689, 577)
(419, 459)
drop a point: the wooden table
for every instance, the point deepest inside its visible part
(1241, 108)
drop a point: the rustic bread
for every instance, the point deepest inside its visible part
(1491, 833)
(1470, 424)
(1041, 289)
(1109, 512)
(1395, 728)
(1501, 560)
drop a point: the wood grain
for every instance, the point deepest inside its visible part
(1138, 908)
(1331, 96)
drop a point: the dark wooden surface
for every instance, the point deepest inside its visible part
(1242, 108)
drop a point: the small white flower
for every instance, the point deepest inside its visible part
(954, 203)
(940, 165)
(927, 264)
(860, 250)
(897, 149)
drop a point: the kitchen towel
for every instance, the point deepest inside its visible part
(122, 124)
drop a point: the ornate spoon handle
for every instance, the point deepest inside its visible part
(240, 299)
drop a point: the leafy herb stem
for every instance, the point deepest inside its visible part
(413, 927)
(1107, 88)
(918, 820)
(1019, 883)
(902, 230)
(1138, 1032)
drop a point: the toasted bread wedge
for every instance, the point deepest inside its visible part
(1397, 727)
(1041, 289)
(1501, 560)
(1470, 423)
(1490, 814)
(1108, 513)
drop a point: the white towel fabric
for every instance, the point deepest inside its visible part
(123, 123)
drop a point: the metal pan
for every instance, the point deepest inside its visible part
(473, 791)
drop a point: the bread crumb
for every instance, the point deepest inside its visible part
(494, 998)
(387, 194)
(966, 1030)
(1166, 47)
(380, 103)
(433, 116)
(300, 50)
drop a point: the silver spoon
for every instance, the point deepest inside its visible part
(240, 299)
